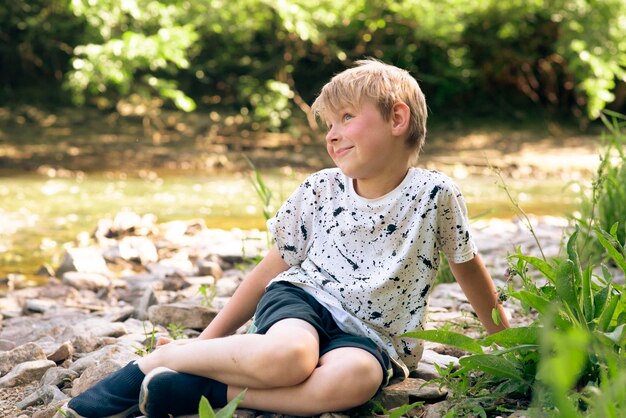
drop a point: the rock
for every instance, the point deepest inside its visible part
(7, 285)
(226, 286)
(58, 376)
(436, 410)
(83, 260)
(43, 395)
(51, 411)
(26, 372)
(93, 375)
(63, 352)
(121, 354)
(147, 300)
(180, 262)
(98, 327)
(88, 343)
(26, 352)
(39, 305)
(139, 249)
(116, 314)
(210, 268)
(85, 280)
(6, 345)
(442, 360)
(408, 391)
(186, 315)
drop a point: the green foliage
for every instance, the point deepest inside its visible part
(150, 343)
(377, 408)
(444, 274)
(208, 294)
(176, 331)
(574, 351)
(206, 411)
(266, 60)
(603, 205)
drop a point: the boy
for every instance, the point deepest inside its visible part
(356, 253)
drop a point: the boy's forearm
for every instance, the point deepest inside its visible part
(242, 305)
(479, 289)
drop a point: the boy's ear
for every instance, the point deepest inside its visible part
(400, 118)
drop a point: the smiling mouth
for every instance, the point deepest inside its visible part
(342, 151)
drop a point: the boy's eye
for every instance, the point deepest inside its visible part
(347, 116)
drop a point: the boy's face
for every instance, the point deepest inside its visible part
(360, 141)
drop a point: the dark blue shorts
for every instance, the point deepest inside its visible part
(283, 300)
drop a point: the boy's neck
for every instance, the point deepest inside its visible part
(380, 185)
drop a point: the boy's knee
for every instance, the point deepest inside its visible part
(290, 363)
(354, 383)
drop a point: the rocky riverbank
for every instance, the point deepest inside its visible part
(135, 280)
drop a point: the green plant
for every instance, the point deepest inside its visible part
(264, 194)
(60, 411)
(444, 274)
(576, 347)
(206, 411)
(604, 204)
(150, 344)
(396, 412)
(208, 294)
(176, 331)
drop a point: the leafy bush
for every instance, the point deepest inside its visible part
(268, 59)
(570, 357)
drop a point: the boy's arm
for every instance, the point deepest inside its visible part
(242, 305)
(477, 285)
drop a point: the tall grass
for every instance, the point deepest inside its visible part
(605, 203)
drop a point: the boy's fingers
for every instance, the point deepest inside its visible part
(162, 341)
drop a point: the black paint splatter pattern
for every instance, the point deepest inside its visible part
(372, 262)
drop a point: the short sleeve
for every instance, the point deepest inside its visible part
(291, 228)
(453, 233)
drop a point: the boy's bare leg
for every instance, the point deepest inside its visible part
(285, 356)
(345, 378)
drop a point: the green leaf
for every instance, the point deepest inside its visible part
(572, 254)
(618, 336)
(546, 269)
(492, 364)
(566, 288)
(609, 243)
(599, 300)
(495, 316)
(447, 337)
(513, 336)
(229, 410)
(607, 315)
(400, 411)
(539, 303)
(587, 298)
(204, 409)
(563, 357)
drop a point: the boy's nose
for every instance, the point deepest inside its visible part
(332, 135)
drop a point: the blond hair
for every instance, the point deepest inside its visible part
(382, 83)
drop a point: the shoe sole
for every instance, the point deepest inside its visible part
(73, 414)
(145, 393)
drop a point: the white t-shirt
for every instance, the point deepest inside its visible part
(372, 262)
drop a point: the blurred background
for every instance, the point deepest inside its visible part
(157, 105)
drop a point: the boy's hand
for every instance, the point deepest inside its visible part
(167, 340)
(162, 341)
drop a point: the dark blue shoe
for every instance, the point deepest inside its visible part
(115, 396)
(165, 392)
